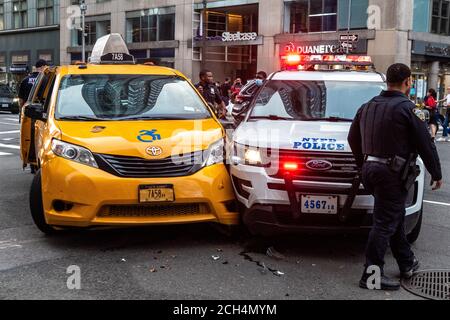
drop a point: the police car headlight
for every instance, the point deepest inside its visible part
(16, 100)
(74, 153)
(247, 155)
(215, 154)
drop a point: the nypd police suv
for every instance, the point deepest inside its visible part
(291, 165)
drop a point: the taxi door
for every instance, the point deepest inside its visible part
(40, 94)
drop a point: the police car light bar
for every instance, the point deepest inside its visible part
(299, 60)
(111, 49)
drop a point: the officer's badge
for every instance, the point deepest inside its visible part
(420, 114)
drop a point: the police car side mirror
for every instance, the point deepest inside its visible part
(35, 111)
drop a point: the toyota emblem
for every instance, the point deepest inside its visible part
(154, 151)
(319, 165)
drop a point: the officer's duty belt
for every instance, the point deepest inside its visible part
(379, 160)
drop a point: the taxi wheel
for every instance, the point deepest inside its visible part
(36, 206)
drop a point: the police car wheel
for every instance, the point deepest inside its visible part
(36, 206)
(414, 235)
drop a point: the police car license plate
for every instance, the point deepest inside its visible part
(319, 204)
(5, 106)
(156, 193)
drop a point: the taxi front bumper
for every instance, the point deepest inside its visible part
(76, 195)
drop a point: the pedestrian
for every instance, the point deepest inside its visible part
(236, 88)
(261, 77)
(445, 115)
(28, 83)
(386, 136)
(211, 93)
(225, 90)
(431, 105)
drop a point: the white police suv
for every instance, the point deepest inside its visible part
(291, 165)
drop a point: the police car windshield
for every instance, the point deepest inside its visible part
(313, 100)
(5, 91)
(128, 97)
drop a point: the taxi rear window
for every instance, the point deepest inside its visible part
(128, 97)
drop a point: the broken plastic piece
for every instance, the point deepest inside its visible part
(215, 258)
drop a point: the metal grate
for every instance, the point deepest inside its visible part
(169, 210)
(133, 167)
(432, 284)
(344, 167)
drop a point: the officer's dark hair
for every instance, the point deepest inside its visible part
(203, 73)
(41, 63)
(397, 73)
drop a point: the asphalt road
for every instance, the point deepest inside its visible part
(176, 262)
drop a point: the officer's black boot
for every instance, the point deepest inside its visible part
(386, 283)
(408, 273)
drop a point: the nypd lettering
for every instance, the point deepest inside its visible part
(319, 144)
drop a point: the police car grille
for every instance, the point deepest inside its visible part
(344, 167)
(167, 210)
(133, 167)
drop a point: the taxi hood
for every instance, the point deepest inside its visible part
(133, 138)
(295, 135)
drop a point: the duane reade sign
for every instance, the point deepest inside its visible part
(239, 36)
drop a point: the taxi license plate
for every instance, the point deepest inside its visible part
(156, 193)
(319, 204)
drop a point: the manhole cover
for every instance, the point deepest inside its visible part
(432, 284)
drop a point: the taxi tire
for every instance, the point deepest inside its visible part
(414, 235)
(37, 207)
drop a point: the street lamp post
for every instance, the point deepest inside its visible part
(83, 9)
(349, 25)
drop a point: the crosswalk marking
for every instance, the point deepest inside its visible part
(9, 124)
(9, 146)
(10, 132)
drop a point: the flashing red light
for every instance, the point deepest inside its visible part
(293, 58)
(290, 166)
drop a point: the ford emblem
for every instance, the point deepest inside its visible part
(319, 165)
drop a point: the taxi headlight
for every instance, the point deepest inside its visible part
(215, 154)
(74, 153)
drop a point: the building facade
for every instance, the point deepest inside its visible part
(29, 30)
(235, 38)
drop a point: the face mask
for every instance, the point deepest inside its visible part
(259, 82)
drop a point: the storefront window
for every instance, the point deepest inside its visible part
(157, 24)
(2, 16)
(312, 15)
(303, 16)
(96, 27)
(20, 14)
(45, 12)
(440, 17)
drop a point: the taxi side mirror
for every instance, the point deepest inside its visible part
(35, 111)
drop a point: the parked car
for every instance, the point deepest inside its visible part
(8, 100)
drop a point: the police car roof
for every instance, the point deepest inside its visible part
(357, 76)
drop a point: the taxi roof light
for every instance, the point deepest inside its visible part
(111, 49)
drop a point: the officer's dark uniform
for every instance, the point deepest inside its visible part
(26, 86)
(212, 96)
(386, 127)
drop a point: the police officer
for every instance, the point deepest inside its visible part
(211, 93)
(28, 83)
(384, 134)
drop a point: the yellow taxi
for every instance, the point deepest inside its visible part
(120, 144)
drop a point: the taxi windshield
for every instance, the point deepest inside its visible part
(313, 100)
(128, 97)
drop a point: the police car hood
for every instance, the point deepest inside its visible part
(133, 138)
(295, 135)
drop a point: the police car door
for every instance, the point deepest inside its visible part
(39, 93)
